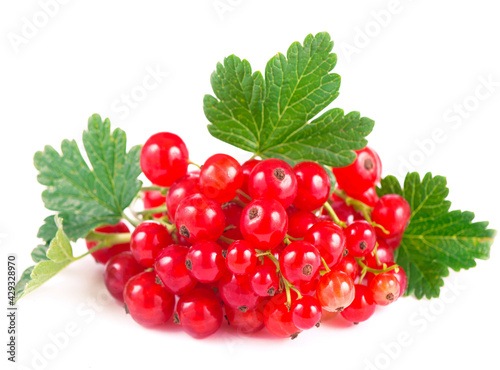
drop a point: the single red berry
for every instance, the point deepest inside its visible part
(247, 168)
(392, 212)
(384, 254)
(348, 265)
(360, 238)
(199, 218)
(220, 177)
(273, 178)
(153, 199)
(400, 274)
(385, 288)
(363, 173)
(205, 261)
(148, 302)
(300, 262)
(232, 213)
(236, 292)
(362, 307)
(147, 240)
(164, 158)
(394, 242)
(199, 312)
(335, 291)
(119, 269)
(299, 222)
(308, 287)
(241, 258)
(306, 312)
(171, 268)
(313, 186)
(180, 189)
(329, 239)
(103, 255)
(264, 280)
(278, 318)
(264, 223)
(248, 322)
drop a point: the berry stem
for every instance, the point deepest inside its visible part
(327, 269)
(133, 222)
(384, 230)
(226, 239)
(333, 215)
(375, 271)
(150, 211)
(155, 188)
(170, 227)
(357, 204)
(105, 241)
(376, 255)
(243, 194)
(194, 164)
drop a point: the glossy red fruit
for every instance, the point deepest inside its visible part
(264, 280)
(236, 292)
(369, 197)
(148, 302)
(313, 186)
(274, 179)
(171, 268)
(180, 189)
(392, 212)
(248, 322)
(363, 173)
(400, 274)
(348, 265)
(153, 199)
(232, 212)
(278, 319)
(384, 254)
(299, 222)
(306, 312)
(205, 261)
(264, 223)
(308, 287)
(119, 269)
(360, 238)
(385, 288)
(247, 168)
(103, 255)
(300, 262)
(241, 258)
(199, 218)
(335, 291)
(220, 177)
(362, 307)
(164, 158)
(147, 240)
(345, 212)
(199, 312)
(329, 239)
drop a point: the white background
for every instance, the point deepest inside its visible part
(409, 65)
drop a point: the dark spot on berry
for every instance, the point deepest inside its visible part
(243, 308)
(318, 324)
(189, 265)
(339, 309)
(126, 308)
(176, 319)
(271, 291)
(390, 297)
(294, 335)
(254, 212)
(355, 323)
(363, 245)
(184, 231)
(279, 173)
(307, 269)
(368, 164)
(224, 253)
(225, 316)
(158, 281)
(345, 253)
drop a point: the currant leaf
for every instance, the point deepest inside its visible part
(436, 238)
(48, 230)
(275, 116)
(87, 198)
(39, 253)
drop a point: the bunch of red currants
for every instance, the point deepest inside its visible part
(261, 244)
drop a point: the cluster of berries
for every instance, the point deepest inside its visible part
(261, 244)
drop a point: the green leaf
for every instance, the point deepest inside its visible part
(48, 230)
(278, 116)
(436, 238)
(87, 198)
(59, 255)
(23, 280)
(39, 253)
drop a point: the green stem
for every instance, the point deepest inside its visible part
(287, 241)
(105, 241)
(327, 269)
(155, 188)
(194, 164)
(151, 211)
(333, 215)
(226, 239)
(357, 204)
(292, 238)
(375, 271)
(243, 194)
(132, 221)
(170, 227)
(384, 230)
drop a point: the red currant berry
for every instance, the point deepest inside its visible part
(248, 322)
(369, 197)
(360, 238)
(300, 262)
(171, 269)
(274, 179)
(335, 291)
(103, 255)
(329, 239)
(392, 212)
(394, 242)
(241, 258)
(400, 274)
(164, 158)
(148, 302)
(205, 261)
(313, 186)
(220, 177)
(236, 292)
(363, 173)
(180, 189)
(199, 312)
(308, 287)
(199, 218)
(147, 240)
(299, 222)
(385, 288)
(264, 223)
(247, 168)
(264, 280)
(306, 312)
(119, 269)
(278, 319)
(348, 265)
(232, 212)
(384, 254)
(153, 199)
(362, 308)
